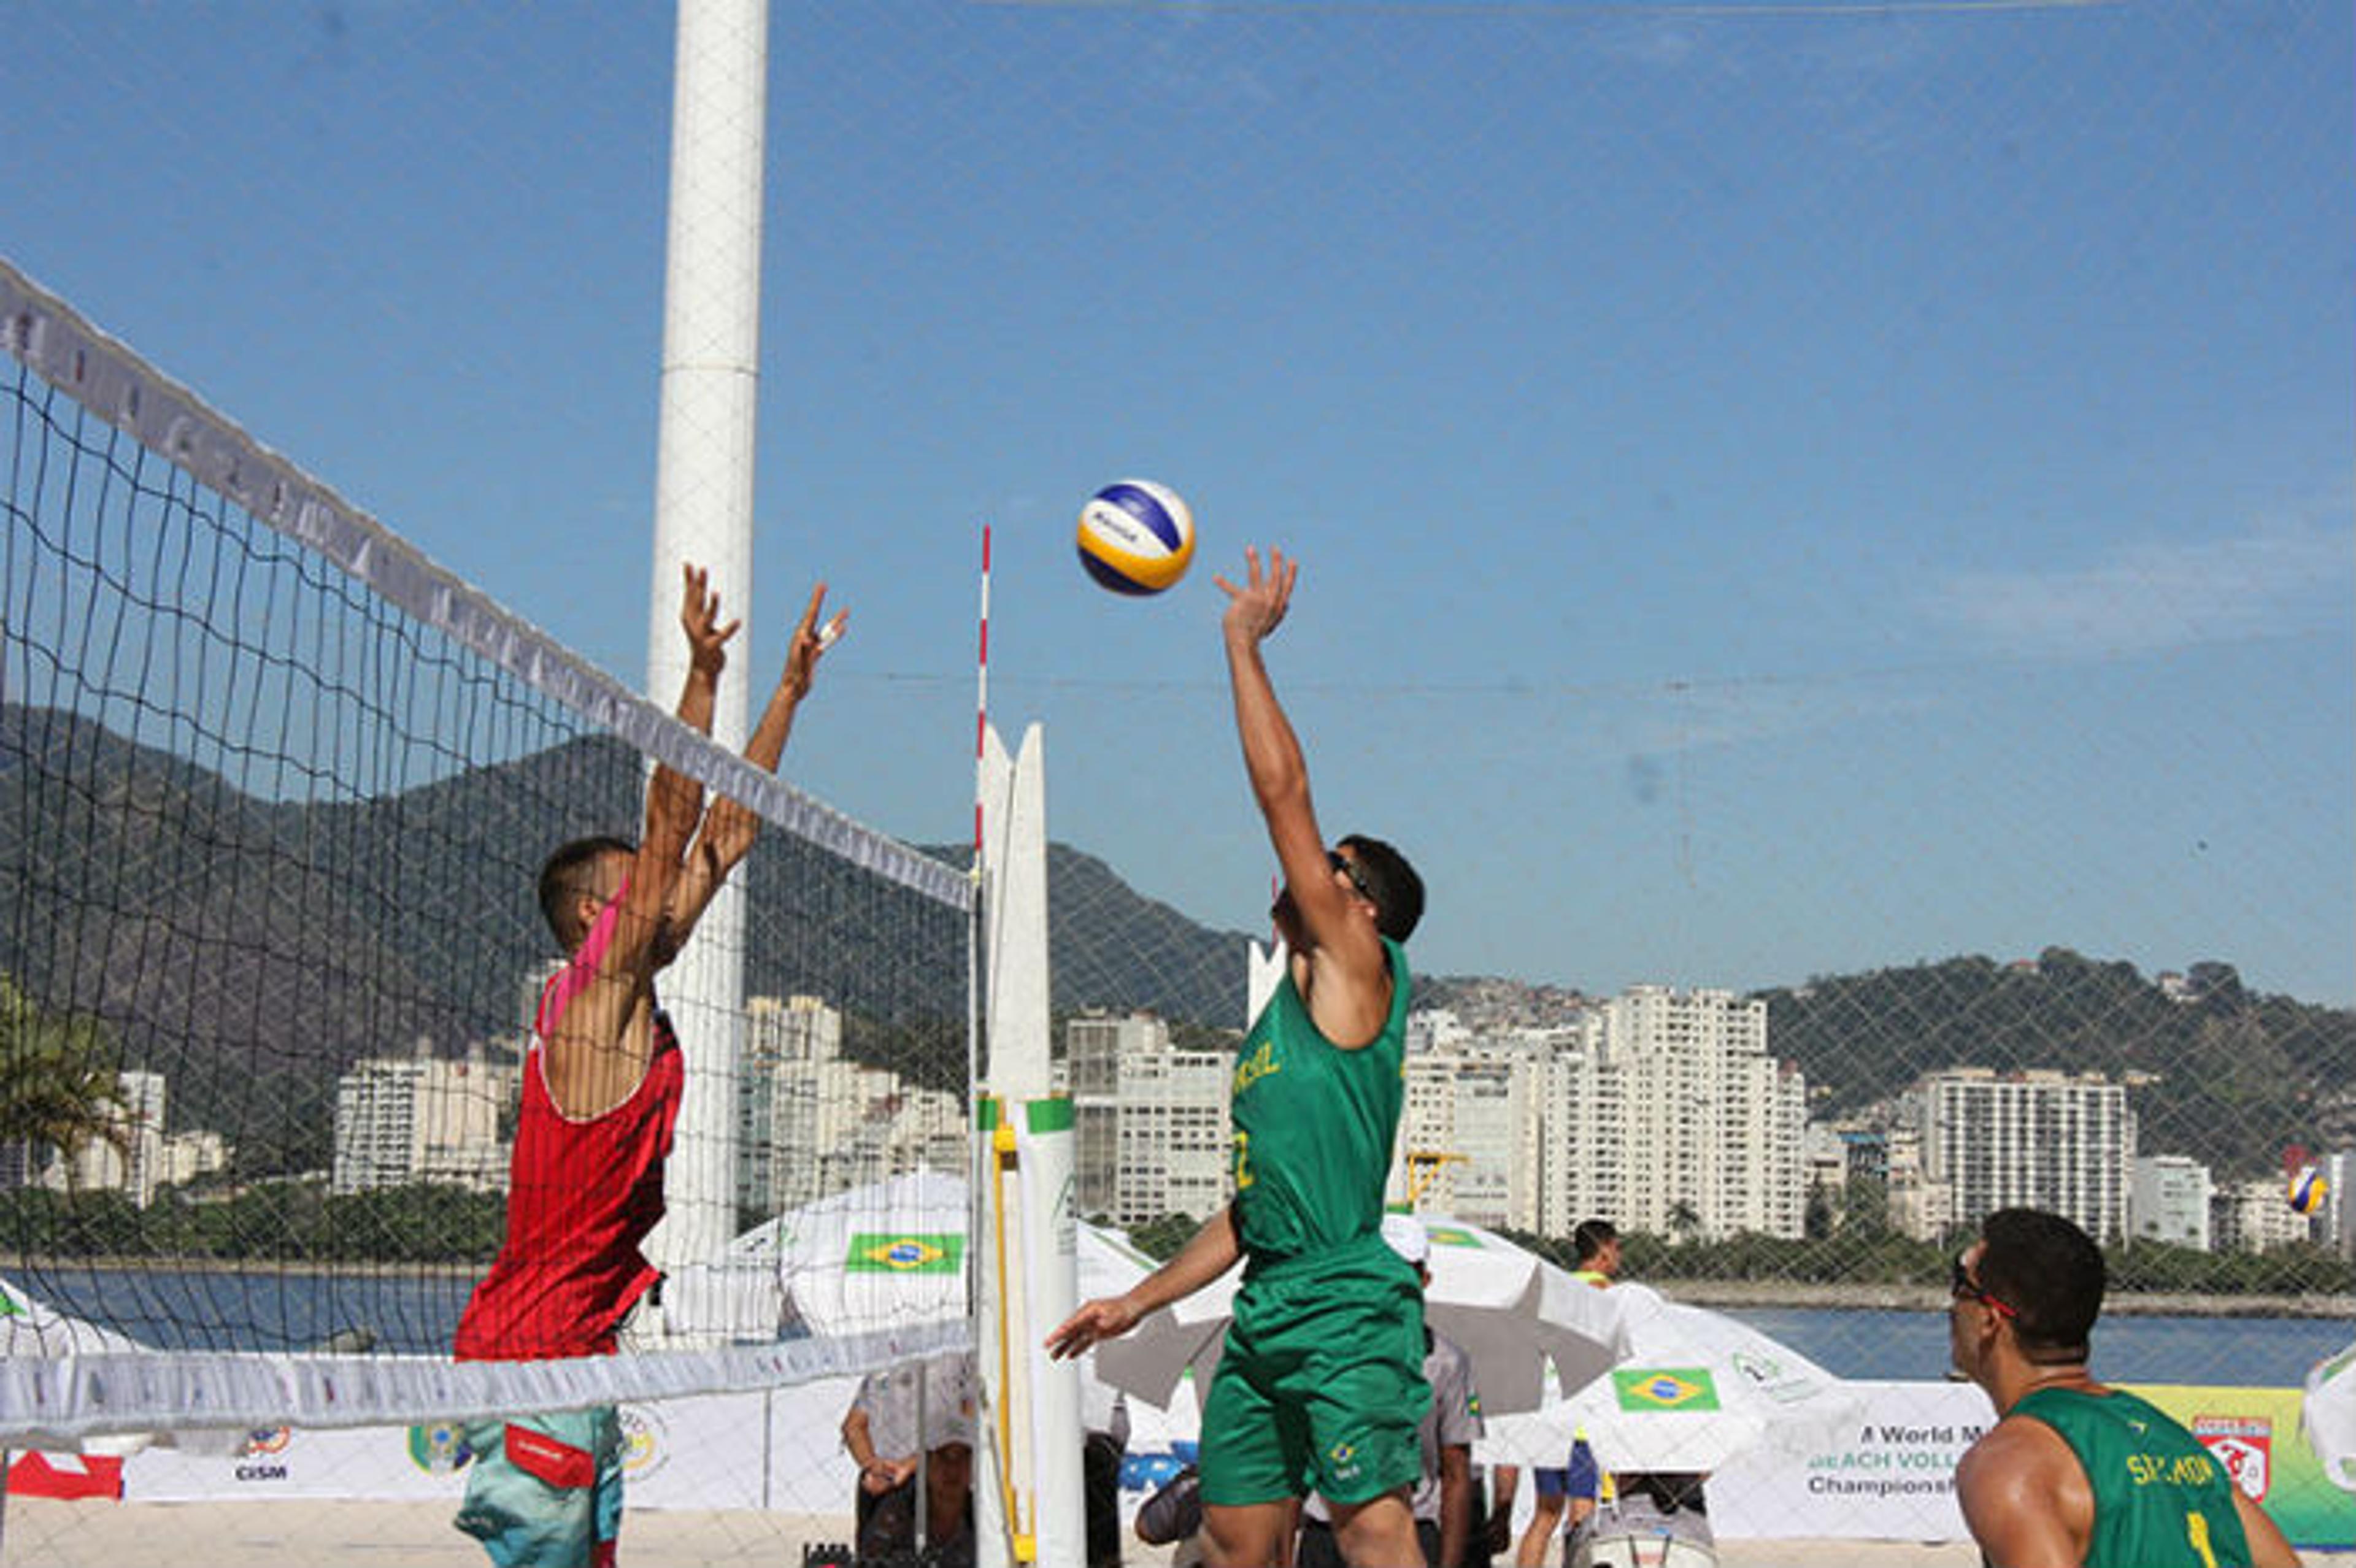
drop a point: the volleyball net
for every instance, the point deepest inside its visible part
(274, 791)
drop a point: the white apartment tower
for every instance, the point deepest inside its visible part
(2168, 1197)
(131, 1160)
(419, 1119)
(1471, 1131)
(1664, 1112)
(2039, 1139)
(1150, 1119)
(2254, 1216)
(810, 1122)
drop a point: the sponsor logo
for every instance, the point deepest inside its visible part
(2245, 1446)
(1665, 1388)
(439, 1447)
(1449, 1236)
(264, 1440)
(646, 1441)
(905, 1252)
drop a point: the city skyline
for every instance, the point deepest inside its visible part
(1152, 1134)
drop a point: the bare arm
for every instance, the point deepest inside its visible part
(877, 1475)
(2270, 1548)
(1211, 1252)
(1348, 995)
(2026, 1498)
(729, 828)
(591, 1063)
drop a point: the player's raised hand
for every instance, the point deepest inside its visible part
(810, 641)
(699, 614)
(1258, 607)
(1106, 1318)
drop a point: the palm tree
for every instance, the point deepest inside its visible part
(58, 1078)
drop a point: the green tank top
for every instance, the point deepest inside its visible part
(1313, 1126)
(2161, 1501)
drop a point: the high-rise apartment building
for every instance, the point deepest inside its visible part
(2038, 1140)
(2168, 1197)
(404, 1120)
(2254, 1216)
(1470, 1131)
(1663, 1111)
(811, 1122)
(129, 1161)
(1149, 1120)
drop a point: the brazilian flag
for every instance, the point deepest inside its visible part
(905, 1252)
(1665, 1388)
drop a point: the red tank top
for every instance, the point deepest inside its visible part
(581, 1195)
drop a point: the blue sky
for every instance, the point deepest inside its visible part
(1781, 490)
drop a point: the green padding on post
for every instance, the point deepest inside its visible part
(985, 1113)
(1048, 1115)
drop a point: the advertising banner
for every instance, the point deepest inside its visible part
(1893, 1476)
(1889, 1476)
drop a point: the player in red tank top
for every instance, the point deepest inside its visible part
(601, 1091)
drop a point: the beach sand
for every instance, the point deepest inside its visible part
(45, 1534)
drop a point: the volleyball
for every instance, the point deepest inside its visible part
(1136, 537)
(2307, 1190)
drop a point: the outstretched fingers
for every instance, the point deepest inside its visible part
(699, 614)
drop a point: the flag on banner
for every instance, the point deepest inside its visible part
(1665, 1388)
(927, 1252)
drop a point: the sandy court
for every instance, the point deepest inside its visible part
(43, 1534)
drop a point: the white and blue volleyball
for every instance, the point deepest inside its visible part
(2307, 1190)
(1136, 537)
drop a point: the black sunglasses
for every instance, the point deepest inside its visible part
(1963, 1287)
(1348, 868)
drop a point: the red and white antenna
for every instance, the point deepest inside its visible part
(981, 700)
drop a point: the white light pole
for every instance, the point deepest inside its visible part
(704, 513)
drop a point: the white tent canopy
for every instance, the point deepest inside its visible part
(1696, 1389)
(2329, 1414)
(1513, 1312)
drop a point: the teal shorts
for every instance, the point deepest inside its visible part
(1320, 1386)
(545, 1492)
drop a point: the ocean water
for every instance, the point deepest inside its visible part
(2237, 1352)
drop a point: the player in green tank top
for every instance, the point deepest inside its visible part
(1321, 1385)
(2075, 1472)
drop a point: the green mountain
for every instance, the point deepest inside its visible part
(2215, 1071)
(251, 949)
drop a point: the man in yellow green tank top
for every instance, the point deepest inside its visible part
(2075, 1472)
(1320, 1385)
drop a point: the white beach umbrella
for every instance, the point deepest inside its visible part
(887, 1256)
(1513, 1312)
(2328, 1414)
(32, 1329)
(1696, 1389)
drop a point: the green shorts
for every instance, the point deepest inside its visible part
(1320, 1386)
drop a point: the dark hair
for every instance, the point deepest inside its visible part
(1390, 883)
(2050, 1274)
(562, 880)
(1592, 1237)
